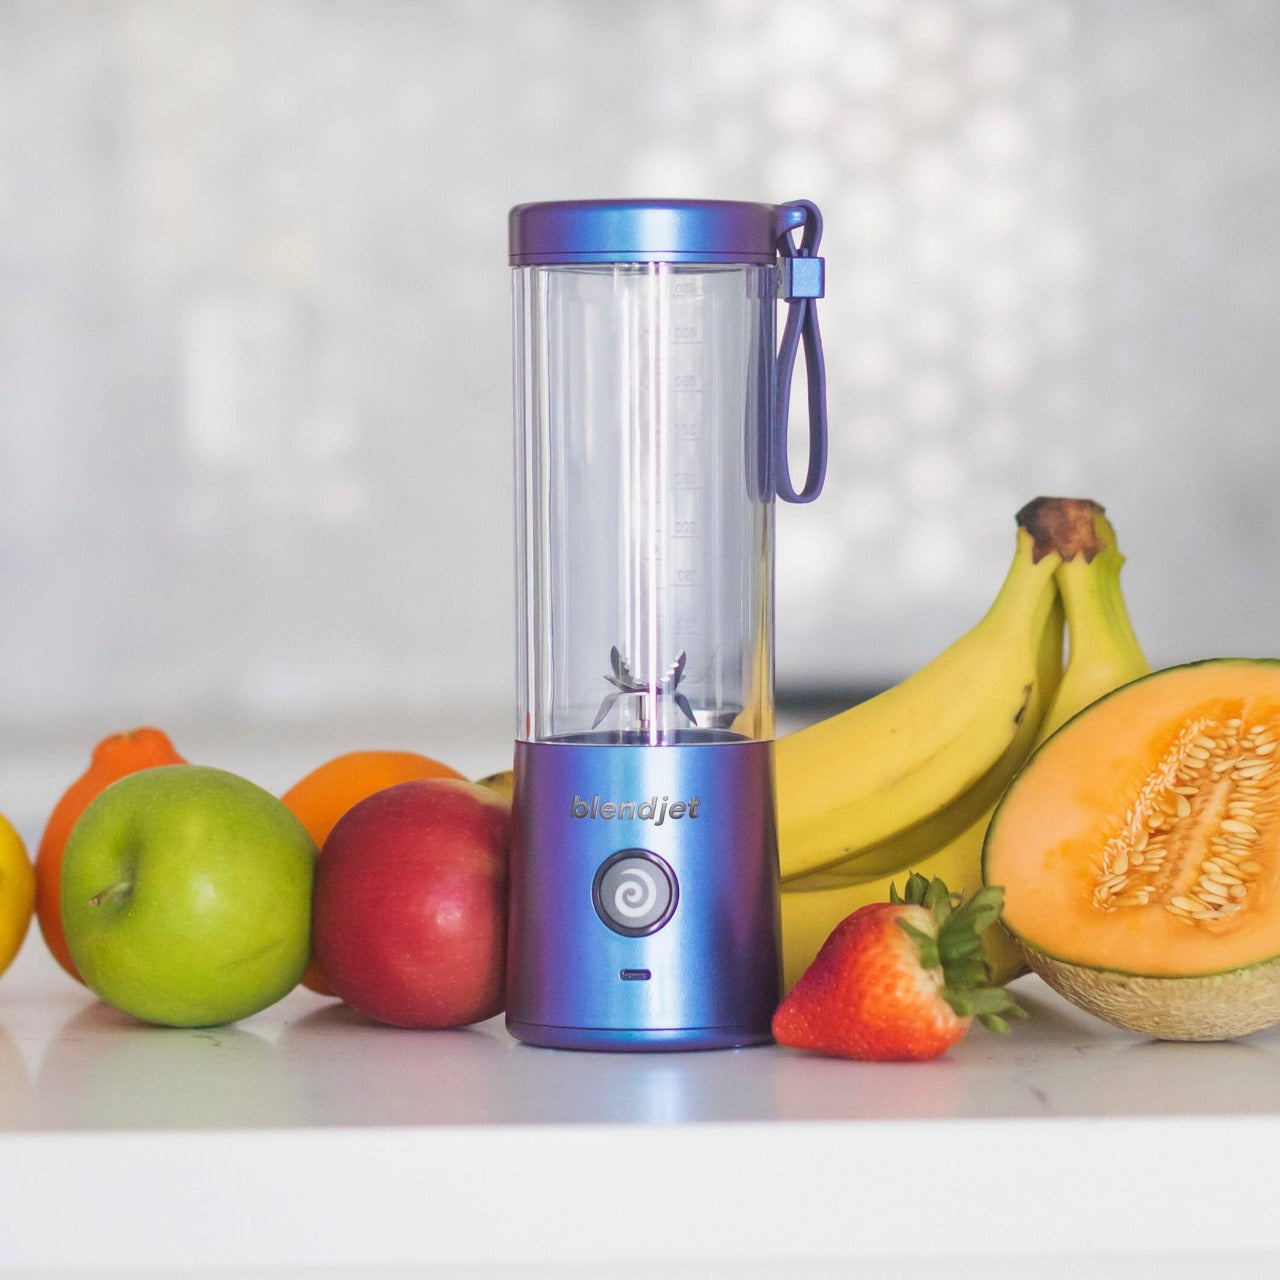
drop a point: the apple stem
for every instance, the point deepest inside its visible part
(112, 893)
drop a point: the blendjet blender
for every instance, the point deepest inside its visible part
(651, 407)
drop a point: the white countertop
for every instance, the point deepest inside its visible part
(311, 1137)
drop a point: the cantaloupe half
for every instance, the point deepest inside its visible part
(1139, 851)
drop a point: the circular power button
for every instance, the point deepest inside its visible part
(634, 892)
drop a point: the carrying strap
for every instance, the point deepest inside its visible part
(802, 284)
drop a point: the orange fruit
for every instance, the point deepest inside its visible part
(327, 792)
(113, 758)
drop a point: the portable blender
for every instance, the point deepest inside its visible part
(651, 409)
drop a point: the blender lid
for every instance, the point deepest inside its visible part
(566, 231)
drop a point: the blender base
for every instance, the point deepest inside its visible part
(644, 912)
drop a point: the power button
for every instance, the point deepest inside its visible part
(635, 892)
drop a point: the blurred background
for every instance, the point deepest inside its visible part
(255, 440)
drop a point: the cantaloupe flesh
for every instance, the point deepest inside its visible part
(1056, 839)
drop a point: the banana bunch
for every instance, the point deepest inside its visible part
(907, 781)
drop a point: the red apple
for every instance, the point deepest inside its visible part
(410, 904)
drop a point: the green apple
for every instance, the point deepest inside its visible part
(186, 896)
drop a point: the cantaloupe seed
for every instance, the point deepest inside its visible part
(1188, 839)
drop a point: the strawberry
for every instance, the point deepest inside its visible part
(900, 980)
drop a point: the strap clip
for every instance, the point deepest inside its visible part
(802, 283)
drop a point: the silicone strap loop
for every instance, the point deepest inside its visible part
(802, 285)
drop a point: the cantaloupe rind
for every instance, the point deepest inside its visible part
(1216, 1006)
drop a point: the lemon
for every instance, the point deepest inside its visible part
(17, 892)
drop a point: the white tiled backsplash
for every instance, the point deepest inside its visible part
(254, 321)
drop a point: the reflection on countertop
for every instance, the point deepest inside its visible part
(68, 1062)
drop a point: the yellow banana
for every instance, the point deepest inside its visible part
(503, 783)
(875, 770)
(1104, 653)
(904, 850)
(1104, 649)
(813, 904)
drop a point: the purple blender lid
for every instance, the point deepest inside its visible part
(565, 231)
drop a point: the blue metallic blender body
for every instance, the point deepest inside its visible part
(651, 405)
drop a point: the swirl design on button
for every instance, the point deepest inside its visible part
(634, 892)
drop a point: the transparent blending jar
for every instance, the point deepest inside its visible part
(649, 448)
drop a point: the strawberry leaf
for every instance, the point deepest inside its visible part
(959, 950)
(965, 974)
(991, 1000)
(983, 909)
(926, 944)
(937, 898)
(955, 946)
(915, 891)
